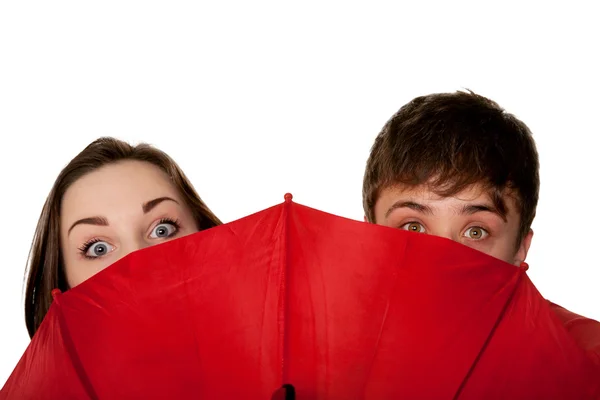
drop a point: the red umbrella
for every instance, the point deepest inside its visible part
(336, 308)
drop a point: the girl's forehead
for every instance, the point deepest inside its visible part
(126, 184)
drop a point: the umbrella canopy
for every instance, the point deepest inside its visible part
(338, 309)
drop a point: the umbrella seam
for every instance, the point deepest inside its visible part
(76, 362)
(383, 322)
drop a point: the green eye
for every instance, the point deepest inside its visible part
(413, 227)
(476, 233)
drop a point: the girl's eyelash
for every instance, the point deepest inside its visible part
(174, 222)
(86, 246)
(167, 220)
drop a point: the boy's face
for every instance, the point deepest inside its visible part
(469, 218)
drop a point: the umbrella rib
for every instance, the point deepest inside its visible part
(487, 340)
(283, 303)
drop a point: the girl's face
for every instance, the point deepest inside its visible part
(117, 209)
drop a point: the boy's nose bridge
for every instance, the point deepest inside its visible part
(445, 233)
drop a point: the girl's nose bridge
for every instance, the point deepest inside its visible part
(134, 244)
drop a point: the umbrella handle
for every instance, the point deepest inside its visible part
(286, 392)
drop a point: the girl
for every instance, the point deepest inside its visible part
(110, 200)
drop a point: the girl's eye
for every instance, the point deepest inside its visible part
(97, 249)
(413, 227)
(476, 233)
(164, 230)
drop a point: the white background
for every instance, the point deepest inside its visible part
(254, 99)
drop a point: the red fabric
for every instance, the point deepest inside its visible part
(585, 331)
(340, 309)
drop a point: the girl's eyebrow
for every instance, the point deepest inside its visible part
(100, 221)
(149, 205)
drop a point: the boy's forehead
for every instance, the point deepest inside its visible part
(429, 192)
(473, 193)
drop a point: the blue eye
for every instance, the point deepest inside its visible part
(96, 248)
(164, 230)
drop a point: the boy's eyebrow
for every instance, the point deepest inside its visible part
(475, 208)
(409, 204)
(468, 209)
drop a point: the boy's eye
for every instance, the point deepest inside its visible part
(476, 233)
(98, 249)
(163, 230)
(413, 227)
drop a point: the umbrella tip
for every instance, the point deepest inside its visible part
(55, 293)
(524, 266)
(288, 197)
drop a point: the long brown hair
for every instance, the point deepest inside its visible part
(45, 270)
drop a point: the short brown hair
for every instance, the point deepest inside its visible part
(450, 141)
(45, 270)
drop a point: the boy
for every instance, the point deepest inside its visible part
(456, 165)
